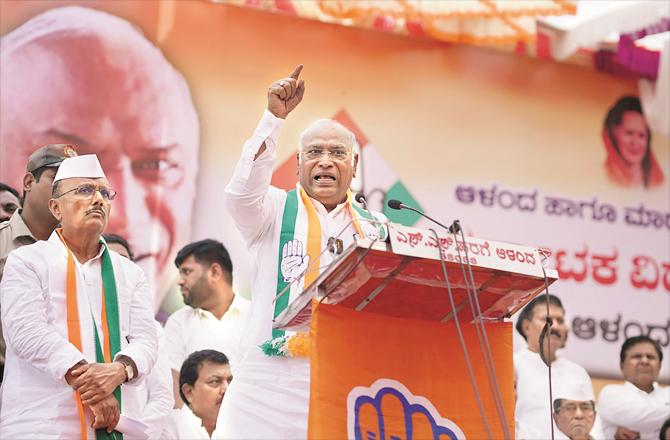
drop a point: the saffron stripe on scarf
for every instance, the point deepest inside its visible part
(313, 239)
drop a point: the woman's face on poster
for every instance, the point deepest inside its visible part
(632, 136)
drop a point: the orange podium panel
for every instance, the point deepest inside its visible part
(380, 377)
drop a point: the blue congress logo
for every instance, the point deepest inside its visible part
(387, 410)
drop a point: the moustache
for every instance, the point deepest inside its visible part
(99, 210)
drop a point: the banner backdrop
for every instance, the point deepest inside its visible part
(375, 376)
(166, 92)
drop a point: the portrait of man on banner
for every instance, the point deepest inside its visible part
(91, 79)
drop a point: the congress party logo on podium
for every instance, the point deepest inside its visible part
(387, 410)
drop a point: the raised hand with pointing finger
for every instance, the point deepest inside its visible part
(285, 94)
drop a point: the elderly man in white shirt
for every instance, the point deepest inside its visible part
(78, 321)
(639, 407)
(574, 412)
(287, 233)
(214, 315)
(532, 413)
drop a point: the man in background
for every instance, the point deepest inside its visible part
(203, 380)
(34, 221)
(639, 407)
(85, 77)
(9, 201)
(574, 413)
(531, 371)
(213, 316)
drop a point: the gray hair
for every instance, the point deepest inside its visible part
(349, 135)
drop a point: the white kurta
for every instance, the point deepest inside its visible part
(269, 397)
(628, 406)
(532, 413)
(188, 330)
(36, 400)
(183, 424)
(156, 396)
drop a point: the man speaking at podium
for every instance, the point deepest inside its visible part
(286, 233)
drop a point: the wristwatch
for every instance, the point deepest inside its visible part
(130, 372)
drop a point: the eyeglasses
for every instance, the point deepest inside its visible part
(339, 155)
(571, 408)
(85, 192)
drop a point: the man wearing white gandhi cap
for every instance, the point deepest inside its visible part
(574, 412)
(78, 322)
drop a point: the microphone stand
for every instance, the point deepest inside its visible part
(473, 300)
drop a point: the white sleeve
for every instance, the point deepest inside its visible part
(25, 323)
(630, 410)
(246, 193)
(175, 349)
(161, 400)
(142, 338)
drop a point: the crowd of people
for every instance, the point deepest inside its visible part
(82, 351)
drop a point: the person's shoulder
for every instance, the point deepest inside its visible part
(179, 316)
(33, 250)
(611, 390)
(129, 267)
(5, 236)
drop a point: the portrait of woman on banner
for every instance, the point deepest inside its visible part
(627, 138)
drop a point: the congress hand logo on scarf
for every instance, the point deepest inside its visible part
(111, 331)
(298, 256)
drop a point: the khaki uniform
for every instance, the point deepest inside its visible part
(13, 234)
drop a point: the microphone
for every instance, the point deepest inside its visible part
(398, 205)
(360, 198)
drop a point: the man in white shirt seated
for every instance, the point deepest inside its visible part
(574, 413)
(213, 316)
(639, 407)
(203, 381)
(532, 413)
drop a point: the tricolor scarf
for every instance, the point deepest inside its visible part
(111, 332)
(298, 255)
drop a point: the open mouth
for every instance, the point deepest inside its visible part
(325, 178)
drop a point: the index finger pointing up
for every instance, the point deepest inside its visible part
(296, 72)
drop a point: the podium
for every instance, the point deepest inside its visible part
(384, 345)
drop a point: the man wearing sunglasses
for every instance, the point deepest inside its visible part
(270, 395)
(78, 321)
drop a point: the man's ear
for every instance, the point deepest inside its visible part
(297, 161)
(355, 163)
(54, 207)
(215, 271)
(28, 182)
(525, 325)
(187, 389)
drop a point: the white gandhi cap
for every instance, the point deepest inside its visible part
(573, 391)
(80, 166)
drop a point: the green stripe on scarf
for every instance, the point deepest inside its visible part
(112, 308)
(287, 234)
